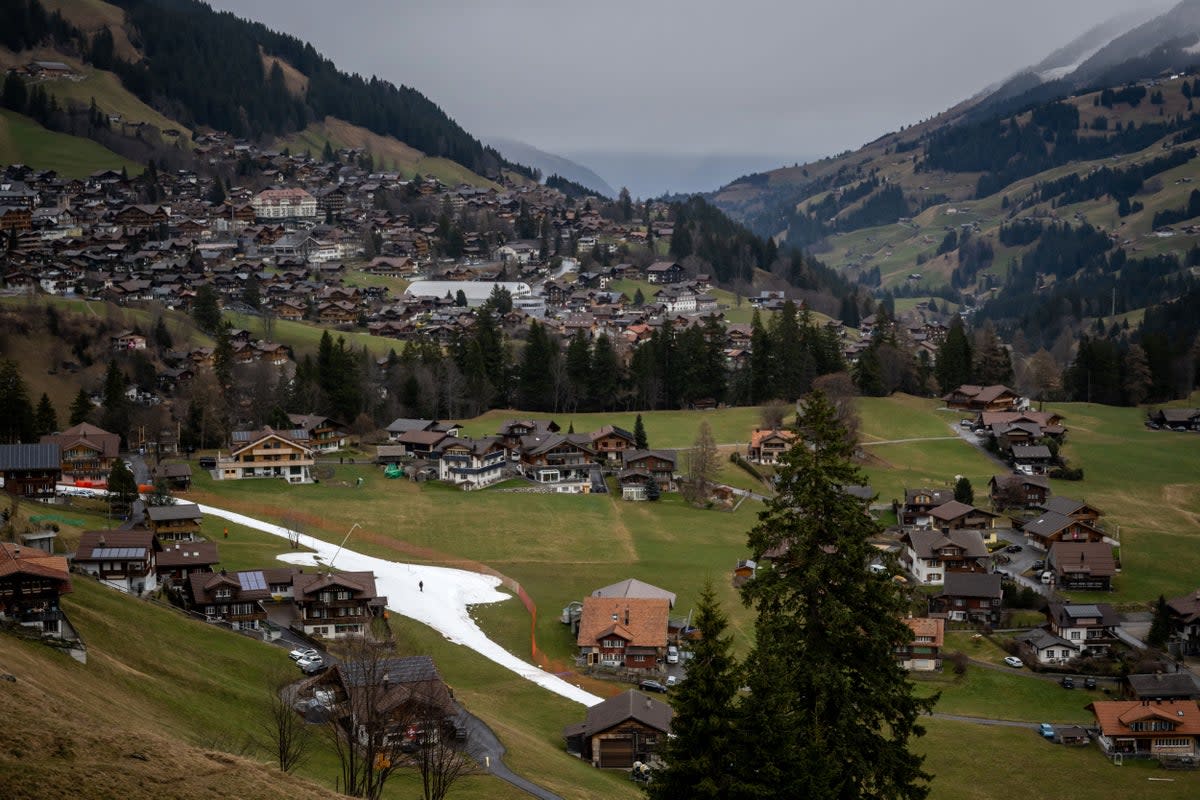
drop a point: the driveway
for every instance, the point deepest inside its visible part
(1022, 561)
(485, 748)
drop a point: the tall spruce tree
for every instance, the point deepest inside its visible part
(639, 434)
(81, 408)
(832, 712)
(45, 418)
(698, 755)
(954, 358)
(16, 412)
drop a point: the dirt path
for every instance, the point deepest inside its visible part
(905, 441)
(623, 534)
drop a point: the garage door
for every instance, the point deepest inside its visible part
(616, 752)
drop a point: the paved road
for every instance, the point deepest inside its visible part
(1006, 723)
(483, 745)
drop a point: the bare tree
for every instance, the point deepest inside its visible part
(288, 736)
(839, 388)
(772, 414)
(390, 718)
(703, 462)
(443, 758)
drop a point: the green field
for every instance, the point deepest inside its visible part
(113, 98)
(23, 141)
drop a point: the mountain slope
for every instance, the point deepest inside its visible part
(551, 164)
(23, 141)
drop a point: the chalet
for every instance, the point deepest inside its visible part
(31, 583)
(420, 444)
(624, 632)
(266, 454)
(127, 340)
(1075, 509)
(982, 398)
(1182, 685)
(1053, 527)
(620, 730)
(87, 453)
(123, 560)
(403, 694)
(1185, 622)
(1088, 626)
(931, 556)
(1032, 459)
(960, 516)
(401, 426)
(1177, 418)
(768, 446)
(177, 476)
(141, 217)
(335, 605)
(180, 559)
(1048, 649)
(233, 597)
(610, 442)
(514, 430)
(179, 522)
(1018, 491)
(632, 587)
(656, 465)
(470, 463)
(924, 652)
(970, 596)
(553, 458)
(1082, 565)
(15, 219)
(1143, 729)
(324, 435)
(918, 503)
(664, 272)
(30, 470)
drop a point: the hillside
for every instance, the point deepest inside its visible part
(23, 141)
(551, 164)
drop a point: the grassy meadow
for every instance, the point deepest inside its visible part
(23, 141)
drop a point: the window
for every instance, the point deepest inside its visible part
(1074, 634)
(223, 594)
(1173, 743)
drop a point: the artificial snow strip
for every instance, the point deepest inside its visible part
(439, 597)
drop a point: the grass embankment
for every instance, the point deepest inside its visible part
(23, 141)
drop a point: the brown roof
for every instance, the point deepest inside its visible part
(428, 438)
(954, 510)
(935, 629)
(92, 541)
(362, 584)
(926, 544)
(186, 554)
(32, 561)
(759, 436)
(615, 710)
(244, 585)
(643, 621)
(1091, 558)
(1187, 607)
(107, 444)
(1114, 717)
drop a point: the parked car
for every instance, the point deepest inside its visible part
(1047, 730)
(652, 686)
(1067, 682)
(1089, 683)
(303, 652)
(1037, 565)
(672, 680)
(966, 423)
(208, 462)
(1014, 662)
(1048, 577)
(311, 666)
(672, 654)
(1013, 548)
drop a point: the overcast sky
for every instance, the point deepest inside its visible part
(786, 79)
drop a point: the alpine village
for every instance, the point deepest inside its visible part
(343, 455)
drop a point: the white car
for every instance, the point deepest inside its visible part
(672, 654)
(303, 652)
(1013, 661)
(310, 666)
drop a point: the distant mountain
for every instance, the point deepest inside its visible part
(1138, 44)
(656, 174)
(551, 164)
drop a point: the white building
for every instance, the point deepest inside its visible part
(476, 292)
(284, 204)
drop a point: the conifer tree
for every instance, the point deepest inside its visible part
(963, 491)
(1160, 627)
(953, 367)
(16, 412)
(833, 713)
(45, 418)
(81, 408)
(605, 374)
(698, 754)
(116, 405)
(639, 434)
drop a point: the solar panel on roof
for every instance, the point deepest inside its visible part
(252, 581)
(119, 552)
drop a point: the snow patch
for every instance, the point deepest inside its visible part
(443, 603)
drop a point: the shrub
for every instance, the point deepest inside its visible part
(1067, 473)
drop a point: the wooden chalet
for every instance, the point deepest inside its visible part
(30, 470)
(620, 730)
